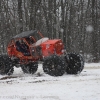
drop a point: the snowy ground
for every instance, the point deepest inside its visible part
(85, 86)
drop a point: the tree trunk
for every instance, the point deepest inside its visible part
(94, 33)
(20, 15)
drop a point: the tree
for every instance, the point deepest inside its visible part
(94, 33)
(20, 15)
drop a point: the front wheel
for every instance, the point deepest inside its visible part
(75, 63)
(54, 65)
(30, 68)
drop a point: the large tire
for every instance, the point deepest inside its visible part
(54, 65)
(30, 68)
(6, 65)
(75, 63)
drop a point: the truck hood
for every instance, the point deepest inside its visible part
(51, 41)
(51, 47)
(45, 41)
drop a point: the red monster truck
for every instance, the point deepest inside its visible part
(26, 49)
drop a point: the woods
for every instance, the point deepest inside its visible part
(76, 22)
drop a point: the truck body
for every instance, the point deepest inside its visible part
(27, 48)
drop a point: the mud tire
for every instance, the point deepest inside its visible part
(54, 65)
(30, 68)
(75, 63)
(6, 65)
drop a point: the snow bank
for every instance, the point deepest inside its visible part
(92, 65)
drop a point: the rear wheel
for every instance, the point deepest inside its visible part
(6, 65)
(75, 63)
(54, 65)
(30, 68)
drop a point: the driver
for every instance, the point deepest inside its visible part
(22, 47)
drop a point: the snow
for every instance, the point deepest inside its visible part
(40, 86)
(89, 28)
(41, 41)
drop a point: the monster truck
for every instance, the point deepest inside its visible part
(26, 49)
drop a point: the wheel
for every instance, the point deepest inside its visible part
(30, 68)
(54, 65)
(6, 65)
(75, 63)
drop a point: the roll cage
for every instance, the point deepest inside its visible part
(24, 42)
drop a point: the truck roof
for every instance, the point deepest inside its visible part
(26, 34)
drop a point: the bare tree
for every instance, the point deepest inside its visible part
(20, 14)
(94, 33)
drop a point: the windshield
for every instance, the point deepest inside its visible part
(30, 40)
(37, 36)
